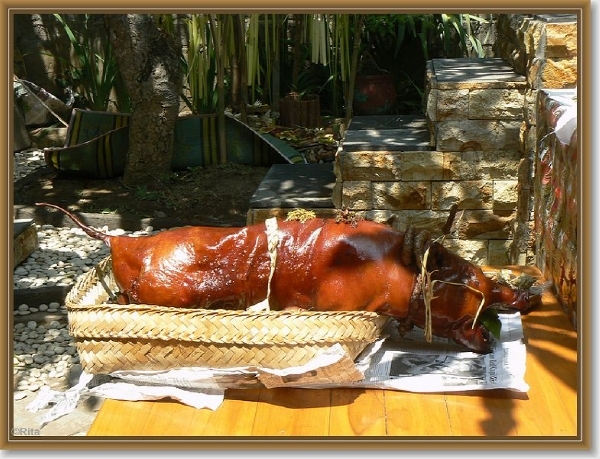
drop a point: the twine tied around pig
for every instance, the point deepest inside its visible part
(415, 242)
(272, 232)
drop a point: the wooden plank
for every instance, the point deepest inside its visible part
(235, 417)
(170, 418)
(539, 412)
(289, 411)
(552, 372)
(118, 417)
(357, 412)
(482, 413)
(544, 411)
(412, 414)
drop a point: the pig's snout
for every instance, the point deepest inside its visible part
(521, 300)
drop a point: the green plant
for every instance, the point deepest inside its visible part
(200, 66)
(144, 194)
(450, 32)
(382, 39)
(410, 94)
(308, 83)
(463, 27)
(94, 73)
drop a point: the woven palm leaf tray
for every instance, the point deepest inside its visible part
(112, 337)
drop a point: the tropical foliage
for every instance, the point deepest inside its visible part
(92, 71)
(238, 60)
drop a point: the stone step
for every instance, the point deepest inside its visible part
(387, 133)
(474, 104)
(25, 240)
(473, 73)
(293, 186)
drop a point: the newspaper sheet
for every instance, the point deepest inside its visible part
(411, 364)
(407, 363)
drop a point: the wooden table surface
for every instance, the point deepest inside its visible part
(549, 408)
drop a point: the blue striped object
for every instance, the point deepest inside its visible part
(97, 143)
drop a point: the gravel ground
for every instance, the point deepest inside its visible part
(44, 352)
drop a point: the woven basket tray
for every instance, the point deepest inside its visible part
(111, 337)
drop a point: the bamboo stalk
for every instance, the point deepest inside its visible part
(252, 53)
(216, 29)
(238, 31)
(277, 18)
(359, 21)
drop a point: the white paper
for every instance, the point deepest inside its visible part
(566, 125)
(208, 398)
(60, 403)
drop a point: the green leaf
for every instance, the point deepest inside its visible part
(490, 320)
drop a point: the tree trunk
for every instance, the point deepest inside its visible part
(148, 61)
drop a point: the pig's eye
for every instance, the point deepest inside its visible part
(436, 257)
(471, 278)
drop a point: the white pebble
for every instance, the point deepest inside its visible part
(33, 386)
(64, 254)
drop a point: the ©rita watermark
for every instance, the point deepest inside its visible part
(25, 432)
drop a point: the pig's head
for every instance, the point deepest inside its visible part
(459, 288)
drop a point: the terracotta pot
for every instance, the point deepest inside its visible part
(374, 94)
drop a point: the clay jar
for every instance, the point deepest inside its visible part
(374, 94)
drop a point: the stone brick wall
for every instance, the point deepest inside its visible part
(555, 202)
(541, 47)
(481, 142)
(474, 113)
(544, 49)
(419, 188)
